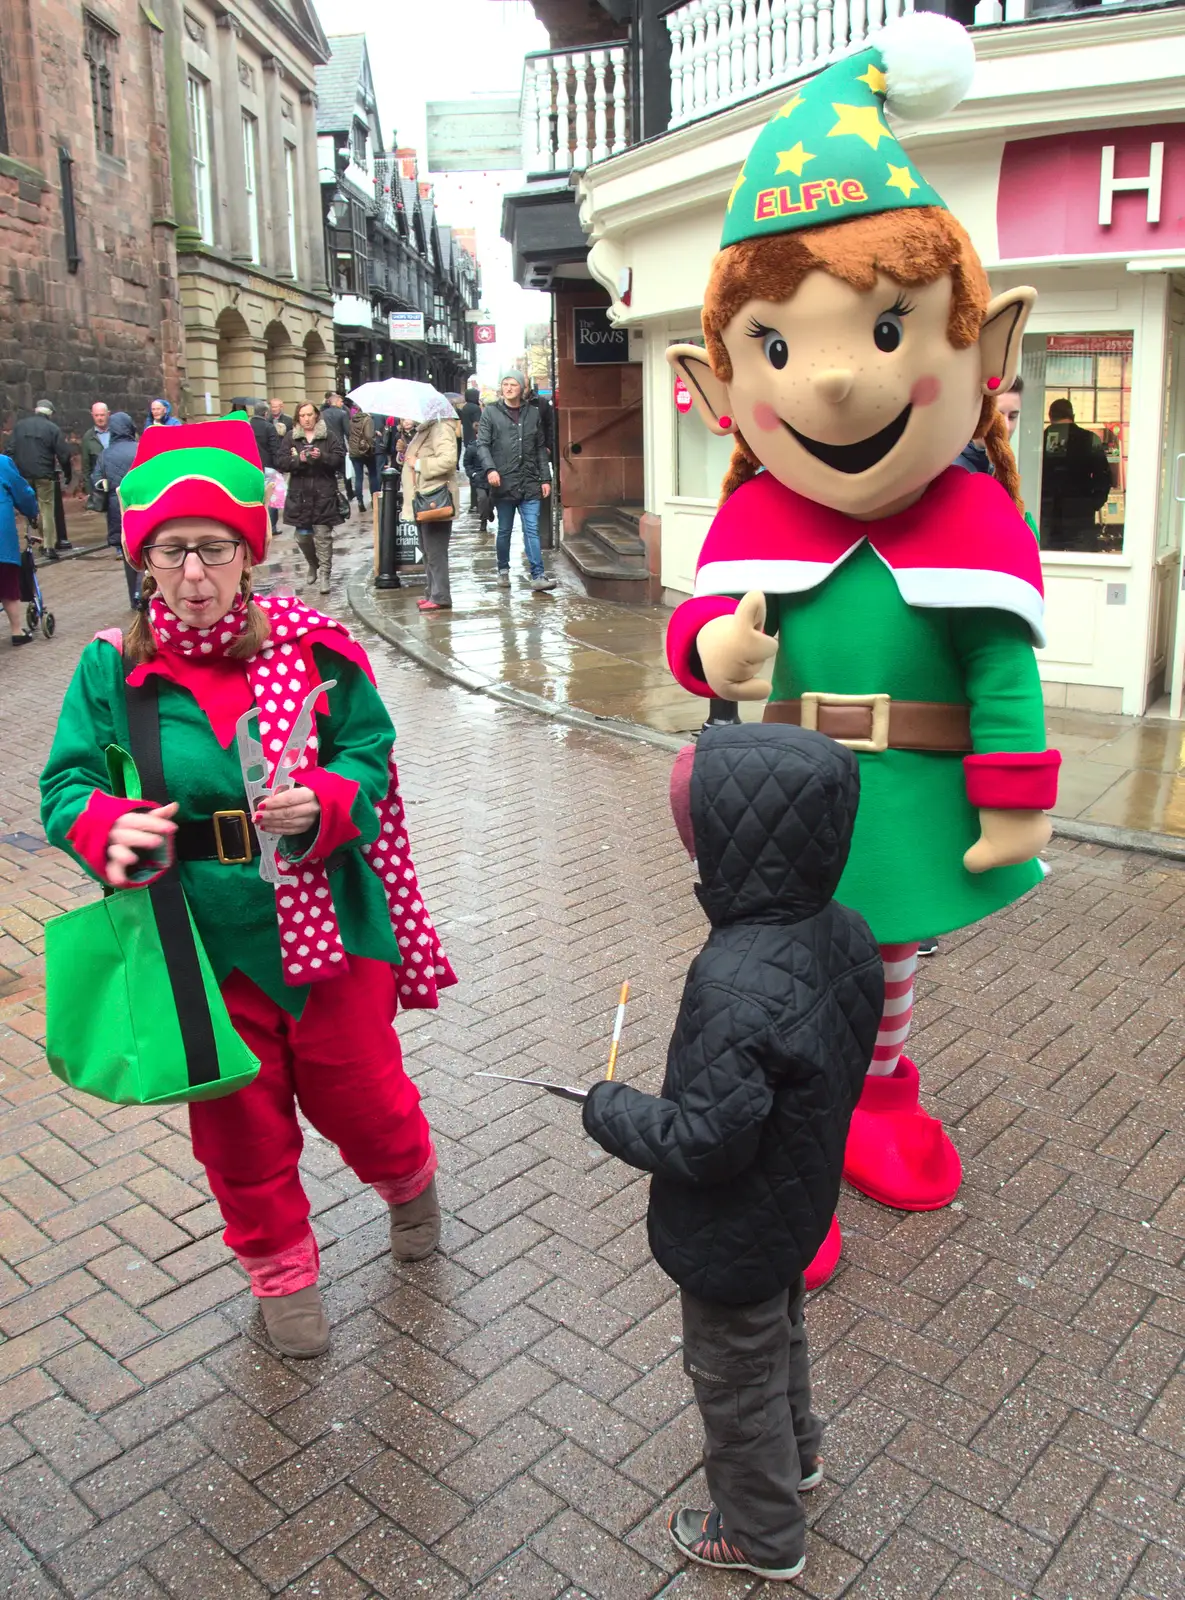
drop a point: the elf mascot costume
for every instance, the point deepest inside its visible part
(853, 348)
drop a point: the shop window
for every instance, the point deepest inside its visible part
(1073, 438)
(99, 50)
(701, 458)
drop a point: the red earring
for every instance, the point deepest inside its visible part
(993, 384)
(726, 422)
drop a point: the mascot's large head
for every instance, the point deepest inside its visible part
(853, 346)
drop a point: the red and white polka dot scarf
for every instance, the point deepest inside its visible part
(281, 676)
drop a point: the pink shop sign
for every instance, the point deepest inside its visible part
(1108, 191)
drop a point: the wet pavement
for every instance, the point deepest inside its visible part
(1002, 1380)
(1119, 775)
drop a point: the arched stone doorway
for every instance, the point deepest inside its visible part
(285, 367)
(320, 372)
(241, 366)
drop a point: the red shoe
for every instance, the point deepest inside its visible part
(826, 1258)
(429, 605)
(897, 1153)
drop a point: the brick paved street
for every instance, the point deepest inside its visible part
(1003, 1380)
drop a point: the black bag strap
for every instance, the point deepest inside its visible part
(168, 897)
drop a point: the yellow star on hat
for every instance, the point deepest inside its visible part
(736, 188)
(793, 160)
(901, 178)
(875, 79)
(864, 122)
(791, 105)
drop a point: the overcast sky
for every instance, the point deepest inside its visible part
(423, 50)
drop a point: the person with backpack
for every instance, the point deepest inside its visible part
(360, 444)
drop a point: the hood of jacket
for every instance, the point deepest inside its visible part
(160, 400)
(120, 426)
(320, 431)
(772, 809)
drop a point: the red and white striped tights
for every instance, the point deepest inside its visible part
(901, 965)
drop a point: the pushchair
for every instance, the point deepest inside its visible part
(36, 613)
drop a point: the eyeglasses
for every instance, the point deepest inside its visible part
(212, 553)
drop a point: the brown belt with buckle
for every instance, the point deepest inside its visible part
(877, 722)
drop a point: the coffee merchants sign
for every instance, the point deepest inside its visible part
(595, 341)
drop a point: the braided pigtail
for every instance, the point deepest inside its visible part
(999, 451)
(743, 466)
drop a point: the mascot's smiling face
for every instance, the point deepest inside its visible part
(856, 400)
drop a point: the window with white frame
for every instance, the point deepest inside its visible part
(251, 179)
(290, 190)
(199, 155)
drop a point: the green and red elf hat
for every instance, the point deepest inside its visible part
(203, 469)
(828, 154)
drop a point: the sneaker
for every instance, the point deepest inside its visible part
(504, 577)
(700, 1536)
(432, 605)
(296, 1324)
(540, 585)
(812, 1478)
(928, 947)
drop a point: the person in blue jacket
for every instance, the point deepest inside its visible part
(15, 495)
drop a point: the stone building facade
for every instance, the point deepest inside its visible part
(258, 319)
(88, 269)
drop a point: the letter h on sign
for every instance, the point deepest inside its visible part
(1110, 185)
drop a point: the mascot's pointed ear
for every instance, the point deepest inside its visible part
(1000, 338)
(709, 394)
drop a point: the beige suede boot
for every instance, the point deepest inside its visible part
(415, 1226)
(296, 1323)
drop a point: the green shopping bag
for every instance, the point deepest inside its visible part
(133, 1011)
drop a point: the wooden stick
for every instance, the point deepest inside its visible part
(617, 1027)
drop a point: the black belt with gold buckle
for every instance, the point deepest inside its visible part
(227, 836)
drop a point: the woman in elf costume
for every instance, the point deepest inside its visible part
(311, 972)
(853, 347)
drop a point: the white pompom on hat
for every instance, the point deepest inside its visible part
(929, 64)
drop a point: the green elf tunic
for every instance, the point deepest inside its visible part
(877, 608)
(233, 907)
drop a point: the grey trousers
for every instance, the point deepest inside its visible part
(434, 536)
(752, 1379)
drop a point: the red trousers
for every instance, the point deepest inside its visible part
(340, 1062)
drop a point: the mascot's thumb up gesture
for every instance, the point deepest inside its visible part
(732, 649)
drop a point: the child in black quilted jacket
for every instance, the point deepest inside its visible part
(745, 1142)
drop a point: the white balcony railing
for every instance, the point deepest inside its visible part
(723, 51)
(574, 107)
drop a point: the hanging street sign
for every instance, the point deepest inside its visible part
(485, 333)
(406, 327)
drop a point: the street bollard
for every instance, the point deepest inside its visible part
(387, 576)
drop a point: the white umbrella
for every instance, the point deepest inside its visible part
(403, 397)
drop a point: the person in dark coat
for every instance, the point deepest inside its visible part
(512, 451)
(313, 456)
(114, 463)
(39, 449)
(470, 415)
(1075, 483)
(15, 495)
(745, 1142)
(267, 438)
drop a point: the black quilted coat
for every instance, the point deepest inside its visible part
(775, 1030)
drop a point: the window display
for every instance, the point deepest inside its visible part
(1073, 444)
